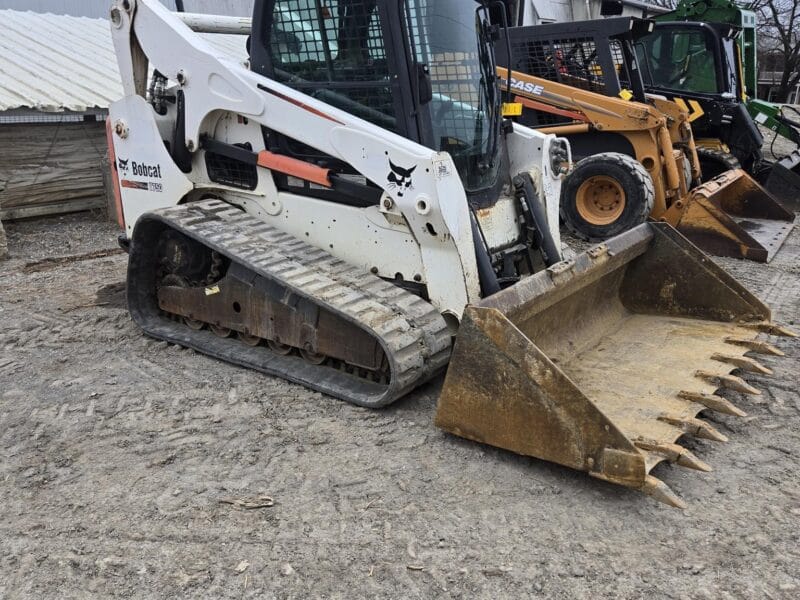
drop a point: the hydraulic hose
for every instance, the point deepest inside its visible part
(535, 212)
(486, 275)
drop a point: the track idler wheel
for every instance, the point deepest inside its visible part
(193, 323)
(250, 340)
(278, 348)
(313, 357)
(219, 331)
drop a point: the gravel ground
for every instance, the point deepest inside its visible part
(122, 460)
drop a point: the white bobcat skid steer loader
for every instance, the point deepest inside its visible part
(327, 214)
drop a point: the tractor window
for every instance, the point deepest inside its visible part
(334, 51)
(679, 59)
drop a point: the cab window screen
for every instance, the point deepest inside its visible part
(334, 50)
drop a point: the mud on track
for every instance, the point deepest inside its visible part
(120, 457)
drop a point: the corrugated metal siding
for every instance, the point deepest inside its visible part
(98, 9)
(53, 63)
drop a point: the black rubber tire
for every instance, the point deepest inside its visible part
(632, 177)
(714, 162)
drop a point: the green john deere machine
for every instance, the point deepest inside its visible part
(702, 55)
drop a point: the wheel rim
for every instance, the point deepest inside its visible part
(600, 200)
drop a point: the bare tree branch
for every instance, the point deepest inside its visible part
(779, 40)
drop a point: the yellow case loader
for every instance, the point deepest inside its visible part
(624, 146)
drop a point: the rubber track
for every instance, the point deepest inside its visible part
(411, 331)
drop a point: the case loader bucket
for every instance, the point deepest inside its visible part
(784, 180)
(732, 215)
(603, 362)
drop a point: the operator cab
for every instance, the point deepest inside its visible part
(422, 70)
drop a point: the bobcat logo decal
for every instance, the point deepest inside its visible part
(400, 178)
(123, 165)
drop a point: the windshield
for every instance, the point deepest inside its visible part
(450, 37)
(681, 59)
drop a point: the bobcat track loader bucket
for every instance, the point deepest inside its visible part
(732, 215)
(601, 363)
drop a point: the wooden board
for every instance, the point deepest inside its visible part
(48, 168)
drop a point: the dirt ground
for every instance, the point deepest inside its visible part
(122, 460)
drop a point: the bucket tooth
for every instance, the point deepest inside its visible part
(756, 346)
(713, 402)
(695, 427)
(674, 453)
(661, 491)
(728, 381)
(742, 362)
(772, 329)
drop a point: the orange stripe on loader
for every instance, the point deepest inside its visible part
(295, 167)
(534, 105)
